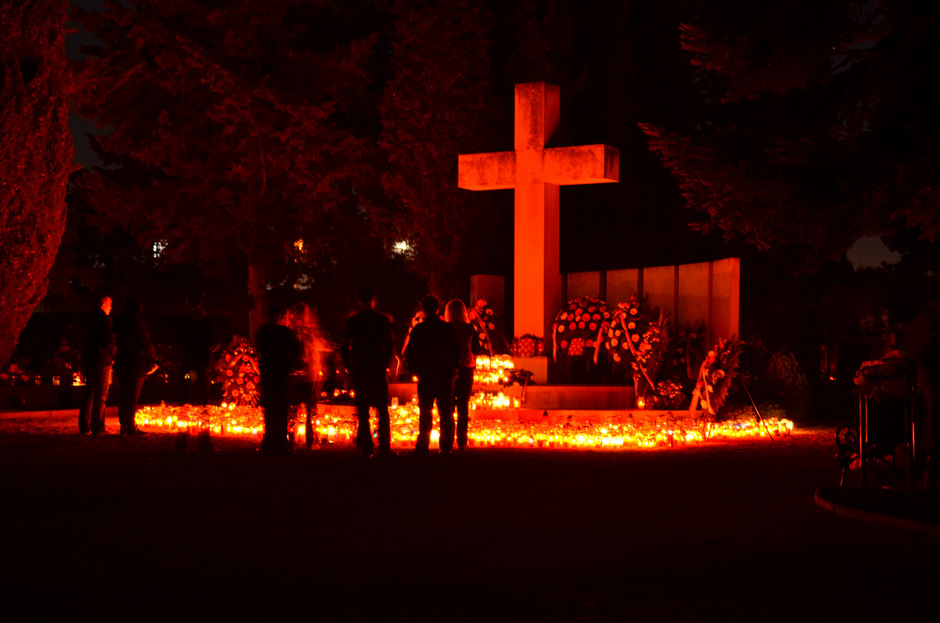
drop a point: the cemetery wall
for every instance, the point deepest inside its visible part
(706, 291)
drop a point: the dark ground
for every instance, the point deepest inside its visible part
(126, 528)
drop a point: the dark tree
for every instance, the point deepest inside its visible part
(227, 135)
(818, 124)
(35, 157)
(437, 103)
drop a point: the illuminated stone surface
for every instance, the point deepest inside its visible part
(709, 292)
(535, 173)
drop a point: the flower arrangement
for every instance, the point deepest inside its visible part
(578, 327)
(635, 341)
(484, 321)
(649, 347)
(668, 395)
(14, 375)
(528, 346)
(628, 324)
(716, 374)
(237, 371)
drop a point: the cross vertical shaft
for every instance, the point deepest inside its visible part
(536, 174)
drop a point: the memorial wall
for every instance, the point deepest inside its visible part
(706, 291)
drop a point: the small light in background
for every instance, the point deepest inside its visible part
(402, 248)
(159, 246)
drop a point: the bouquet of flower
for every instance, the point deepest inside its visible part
(237, 370)
(623, 333)
(578, 326)
(527, 346)
(486, 322)
(635, 341)
(668, 395)
(716, 374)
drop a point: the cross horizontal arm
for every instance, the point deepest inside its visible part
(491, 171)
(585, 164)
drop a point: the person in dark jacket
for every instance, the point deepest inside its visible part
(279, 355)
(366, 349)
(456, 315)
(433, 355)
(202, 343)
(97, 358)
(135, 359)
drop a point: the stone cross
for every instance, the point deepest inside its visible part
(536, 172)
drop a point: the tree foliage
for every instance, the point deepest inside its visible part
(35, 157)
(226, 133)
(816, 127)
(438, 102)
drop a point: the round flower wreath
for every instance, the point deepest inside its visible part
(237, 370)
(578, 327)
(627, 328)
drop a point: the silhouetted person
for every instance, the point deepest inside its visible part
(307, 383)
(366, 350)
(97, 359)
(468, 342)
(202, 342)
(135, 359)
(433, 354)
(279, 354)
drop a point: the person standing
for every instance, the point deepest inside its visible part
(469, 344)
(97, 358)
(202, 343)
(433, 354)
(135, 359)
(279, 354)
(366, 349)
(302, 320)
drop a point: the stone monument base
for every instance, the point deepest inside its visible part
(546, 397)
(538, 366)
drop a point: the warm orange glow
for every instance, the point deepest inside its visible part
(535, 173)
(493, 371)
(641, 403)
(335, 425)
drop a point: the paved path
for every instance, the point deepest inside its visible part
(128, 528)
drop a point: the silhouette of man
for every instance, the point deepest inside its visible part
(279, 354)
(135, 359)
(433, 354)
(203, 340)
(366, 349)
(457, 316)
(98, 350)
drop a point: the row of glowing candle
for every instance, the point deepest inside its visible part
(493, 370)
(333, 426)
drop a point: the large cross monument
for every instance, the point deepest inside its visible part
(536, 172)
